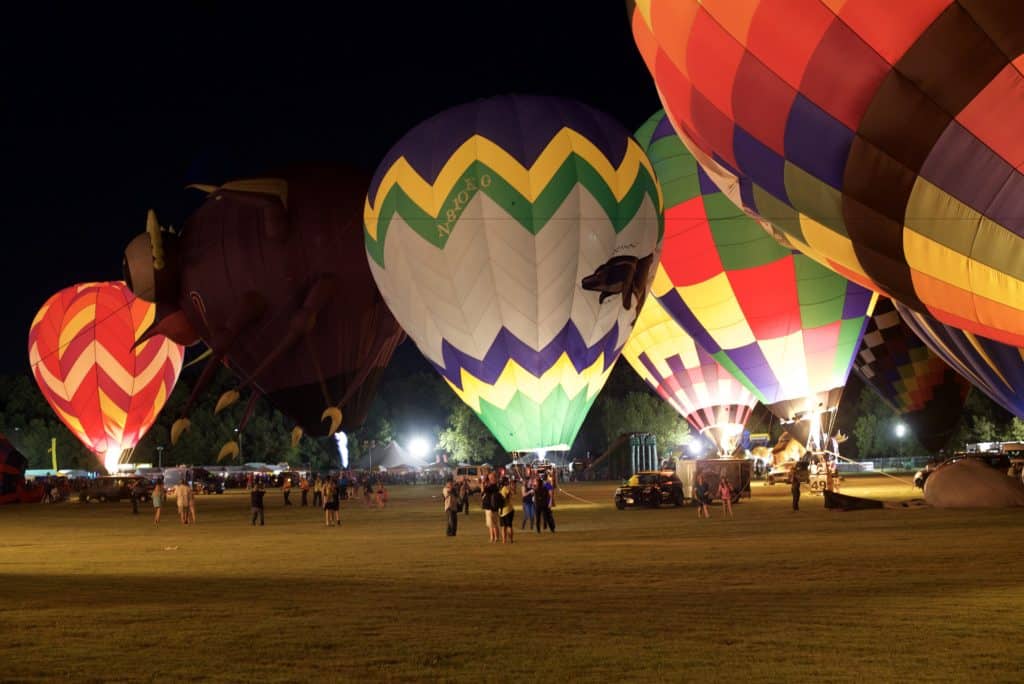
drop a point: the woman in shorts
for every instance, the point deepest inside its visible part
(330, 494)
(158, 500)
(725, 494)
(507, 512)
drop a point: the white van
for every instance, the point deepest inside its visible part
(473, 474)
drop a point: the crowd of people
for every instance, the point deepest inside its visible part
(498, 497)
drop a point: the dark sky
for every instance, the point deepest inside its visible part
(106, 116)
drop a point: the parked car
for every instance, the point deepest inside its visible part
(650, 488)
(115, 488)
(472, 474)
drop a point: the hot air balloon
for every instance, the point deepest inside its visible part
(270, 273)
(107, 390)
(882, 139)
(994, 368)
(912, 380)
(782, 324)
(514, 239)
(686, 376)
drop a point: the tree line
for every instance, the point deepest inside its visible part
(419, 403)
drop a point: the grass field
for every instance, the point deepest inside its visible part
(91, 592)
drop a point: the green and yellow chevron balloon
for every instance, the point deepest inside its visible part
(514, 239)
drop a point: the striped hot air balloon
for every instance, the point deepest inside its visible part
(514, 238)
(687, 377)
(995, 368)
(80, 350)
(782, 324)
(884, 139)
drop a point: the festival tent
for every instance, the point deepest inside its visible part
(387, 456)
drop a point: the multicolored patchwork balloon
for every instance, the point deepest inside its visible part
(514, 239)
(914, 381)
(687, 377)
(105, 390)
(886, 140)
(783, 325)
(994, 368)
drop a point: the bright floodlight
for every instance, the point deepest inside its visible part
(901, 429)
(419, 447)
(110, 459)
(695, 446)
(541, 454)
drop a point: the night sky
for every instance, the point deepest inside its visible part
(107, 116)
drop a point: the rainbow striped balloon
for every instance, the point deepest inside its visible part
(687, 377)
(883, 139)
(514, 239)
(782, 324)
(80, 349)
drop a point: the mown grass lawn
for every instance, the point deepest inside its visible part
(90, 592)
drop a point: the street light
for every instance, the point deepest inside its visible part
(901, 431)
(239, 433)
(419, 447)
(159, 457)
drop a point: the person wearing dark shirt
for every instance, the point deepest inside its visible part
(256, 501)
(795, 488)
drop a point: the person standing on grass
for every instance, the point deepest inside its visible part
(183, 493)
(507, 512)
(318, 492)
(450, 496)
(158, 500)
(543, 501)
(464, 495)
(487, 502)
(191, 505)
(286, 488)
(725, 494)
(702, 493)
(304, 490)
(133, 491)
(794, 487)
(256, 501)
(529, 487)
(329, 491)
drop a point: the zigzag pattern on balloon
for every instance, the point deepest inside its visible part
(567, 350)
(515, 380)
(80, 351)
(551, 423)
(529, 195)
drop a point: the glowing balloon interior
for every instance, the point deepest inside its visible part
(107, 391)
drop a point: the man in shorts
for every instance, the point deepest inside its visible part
(183, 494)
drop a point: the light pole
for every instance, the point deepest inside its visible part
(159, 457)
(239, 433)
(901, 431)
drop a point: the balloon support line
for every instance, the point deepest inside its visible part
(898, 479)
(570, 494)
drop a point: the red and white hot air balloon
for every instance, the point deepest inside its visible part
(107, 391)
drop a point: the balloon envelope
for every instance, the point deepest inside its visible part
(514, 239)
(883, 139)
(687, 377)
(914, 381)
(994, 368)
(271, 273)
(106, 391)
(785, 326)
